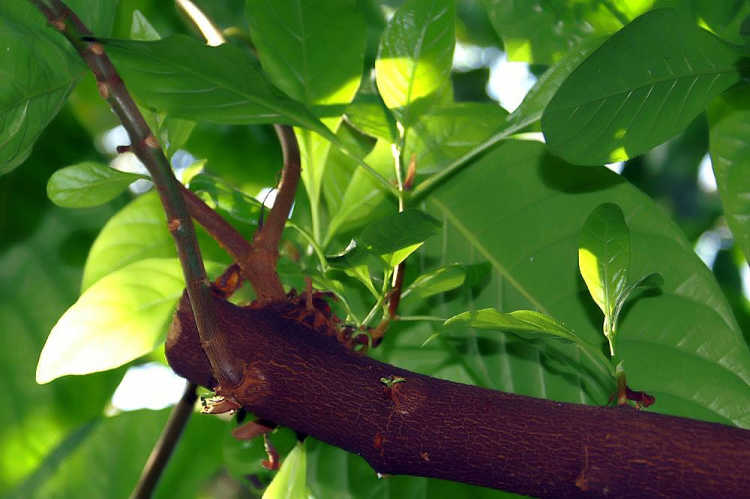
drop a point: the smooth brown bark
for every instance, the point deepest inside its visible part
(302, 378)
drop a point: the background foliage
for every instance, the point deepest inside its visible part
(504, 224)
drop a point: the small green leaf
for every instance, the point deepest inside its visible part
(121, 317)
(141, 29)
(87, 184)
(397, 236)
(291, 480)
(523, 322)
(415, 56)
(188, 79)
(369, 115)
(439, 280)
(604, 256)
(650, 281)
(730, 154)
(667, 70)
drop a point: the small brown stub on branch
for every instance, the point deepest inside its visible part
(103, 89)
(272, 463)
(151, 142)
(377, 441)
(425, 456)
(96, 48)
(58, 24)
(174, 225)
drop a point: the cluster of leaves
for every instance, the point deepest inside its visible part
(509, 212)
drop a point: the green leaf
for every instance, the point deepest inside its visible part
(437, 281)
(137, 232)
(141, 29)
(537, 204)
(395, 237)
(121, 317)
(604, 256)
(730, 155)
(291, 480)
(362, 194)
(544, 89)
(544, 32)
(187, 79)
(313, 51)
(415, 56)
(369, 115)
(667, 70)
(448, 132)
(37, 76)
(190, 468)
(87, 184)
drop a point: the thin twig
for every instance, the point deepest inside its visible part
(147, 148)
(163, 448)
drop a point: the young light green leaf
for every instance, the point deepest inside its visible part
(543, 34)
(313, 51)
(291, 480)
(438, 281)
(141, 29)
(730, 155)
(667, 70)
(121, 317)
(415, 56)
(187, 79)
(87, 184)
(650, 281)
(604, 256)
(447, 132)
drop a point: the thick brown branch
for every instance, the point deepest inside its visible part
(163, 448)
(407, 423)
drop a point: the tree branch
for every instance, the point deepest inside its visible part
(148, 150)
(163, 448)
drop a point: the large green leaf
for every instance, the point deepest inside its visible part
(87, 184)
(313, 51)
(641, 87)
(536, 207)
(542, 32)
(119, 318)
(137, 232)
(120, 447)
(415, 56)
(730, 154)
(187, 79)
(39, 69)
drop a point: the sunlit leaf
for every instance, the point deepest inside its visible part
(604, 255)
(667, 70)
(187, 79)
(87, 184)
(121, 317)
(415, 56)
(396, 236)
(291, 480)
(730, 155)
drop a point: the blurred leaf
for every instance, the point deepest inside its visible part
(121, 317)
(604, 256)
(87, 184)
(239, 205)
(437, 281)
(447, 132)
(415, 56)
(668, 70)
(290, 481)
(543, 32)
(730, 155)
(224, 84)
(138, 232)
(37, 76)
(141, 29)
(313, 51)
(539, 203)
(195, 460)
